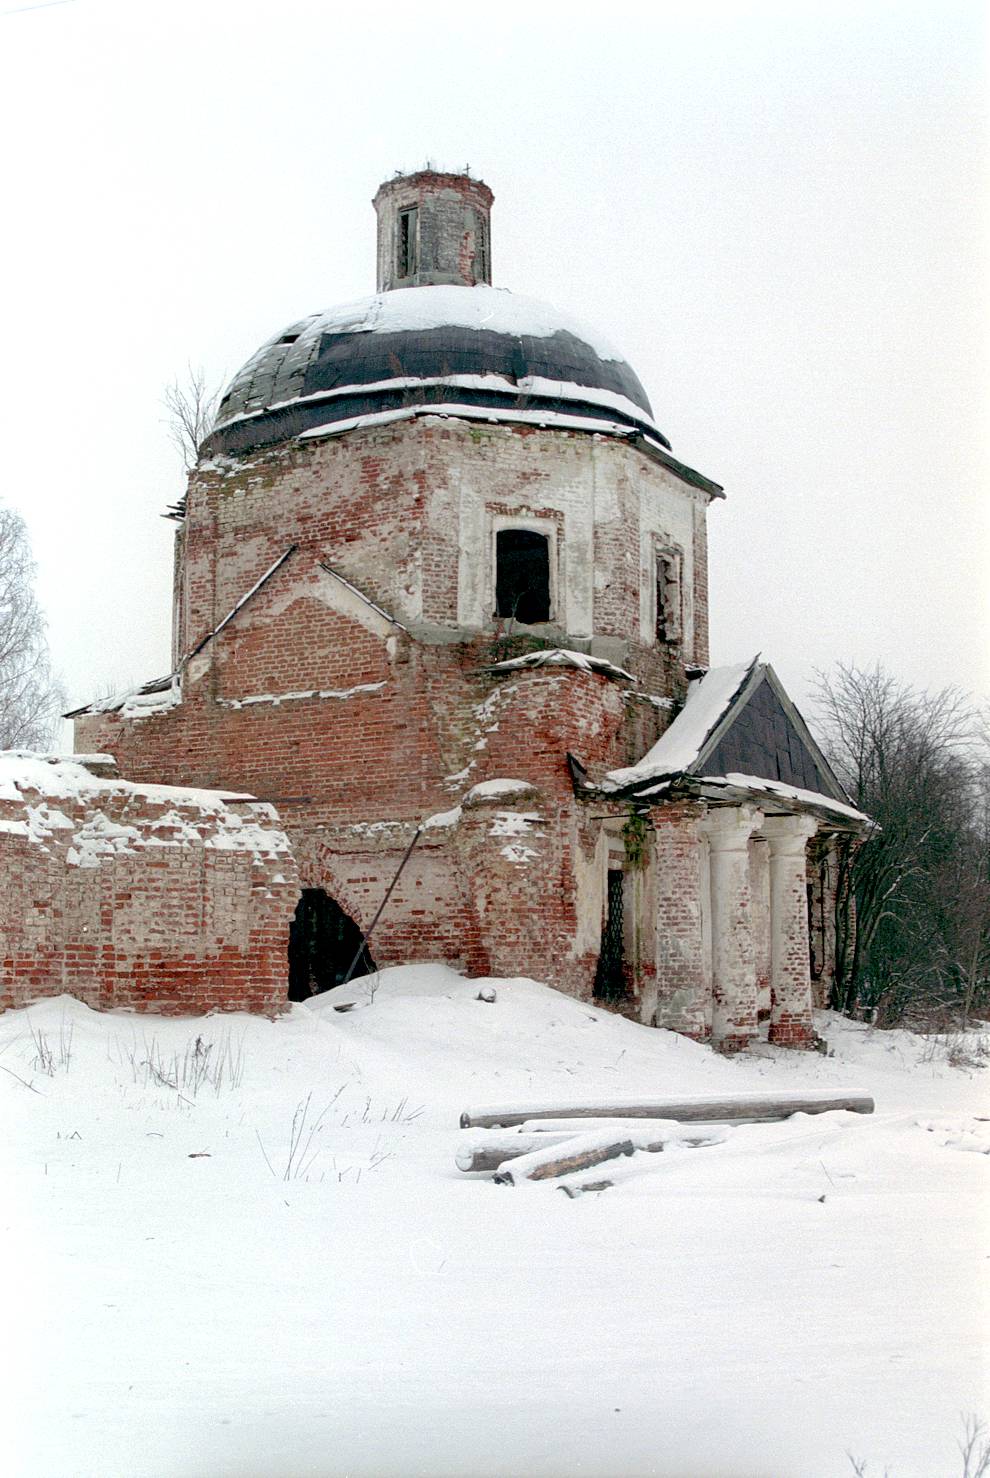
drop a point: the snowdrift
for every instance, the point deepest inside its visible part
(238, 1247)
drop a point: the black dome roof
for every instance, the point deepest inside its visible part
(421, 346)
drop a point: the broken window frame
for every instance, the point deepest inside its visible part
(668, 616)
(481, 271)
(407, 244)
(544, 530)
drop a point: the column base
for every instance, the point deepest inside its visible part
(700, 1034)
(736, 1042)
(792, 1034)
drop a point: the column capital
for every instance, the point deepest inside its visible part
(729, 828)
(788, 835)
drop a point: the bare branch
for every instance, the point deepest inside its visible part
(30, 696)
(914, 899)
(191, 411)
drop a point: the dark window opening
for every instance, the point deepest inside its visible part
(288, 338)
(407, 242)
(610, 983)
(522, 576)
(668, 597)
(323, 941)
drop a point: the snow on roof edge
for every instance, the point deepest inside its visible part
(708, 701)
(787, 792)
(497, 384)
(494, 414)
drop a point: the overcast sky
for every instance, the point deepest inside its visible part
(778, 211)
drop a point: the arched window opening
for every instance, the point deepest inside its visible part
(522, 576)
(323, 941)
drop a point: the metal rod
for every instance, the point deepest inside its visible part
(381, 907)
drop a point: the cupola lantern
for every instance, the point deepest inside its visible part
(433, 230)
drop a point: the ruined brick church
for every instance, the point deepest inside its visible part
(440, 689)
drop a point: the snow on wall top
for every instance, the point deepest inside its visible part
(561, 657)
(111, 816)
(156, 696)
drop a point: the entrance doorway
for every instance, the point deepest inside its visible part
(323, 941)
(610, 981)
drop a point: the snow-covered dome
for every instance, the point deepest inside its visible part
(426, 345)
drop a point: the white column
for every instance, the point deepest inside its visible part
(734, 1001)
(759, 887)
(790, 973)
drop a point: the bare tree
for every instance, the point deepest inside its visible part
(913, 910)
(30, 697)
(191, 411)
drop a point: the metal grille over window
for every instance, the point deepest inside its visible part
(610, 982)
(522, 576)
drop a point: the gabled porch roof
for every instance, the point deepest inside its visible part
(739, 737)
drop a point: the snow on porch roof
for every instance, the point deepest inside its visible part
(679, 748)
(738, 731)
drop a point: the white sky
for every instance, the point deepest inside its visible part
(777, 210)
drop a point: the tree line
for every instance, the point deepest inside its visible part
(913, 898)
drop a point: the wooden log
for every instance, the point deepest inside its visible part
(591, 1124)
(733, 1109)
(490, 1153)
(653, 1135)
(572, 1191)
(578, 1153)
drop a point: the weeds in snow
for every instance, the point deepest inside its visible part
(216, 1065)
(962, 1049)
(377, 1157)
(301, 1153)
(303, 1149)
(51, 1053)
(400, 1114)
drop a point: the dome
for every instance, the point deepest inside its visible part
(449, 346)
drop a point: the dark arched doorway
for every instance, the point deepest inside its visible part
(323, 941)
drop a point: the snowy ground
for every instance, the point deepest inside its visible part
(759, 1307)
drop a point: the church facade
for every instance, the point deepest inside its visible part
(441, 601)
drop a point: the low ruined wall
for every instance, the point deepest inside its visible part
(141, 896)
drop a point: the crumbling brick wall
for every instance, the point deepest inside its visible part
(124, 895)
(358, 701)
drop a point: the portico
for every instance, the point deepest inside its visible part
(733, 812)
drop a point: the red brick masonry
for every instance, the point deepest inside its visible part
(147, 897)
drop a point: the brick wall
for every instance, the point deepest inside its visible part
(684, 976)
(142, 897)
(405, 512)
(359, 720)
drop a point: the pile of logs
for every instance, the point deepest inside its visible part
(551, 1141)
